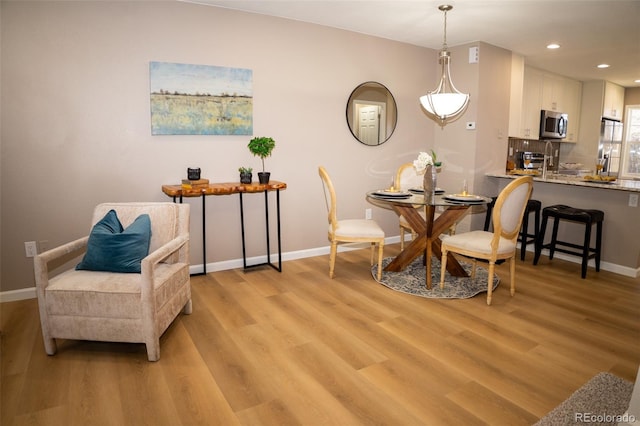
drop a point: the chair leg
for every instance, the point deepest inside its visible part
(380, 255)
(332, 258)
(373, 253)
(524, 235)
(153, 350)
(512, 271)
(492, 266)
(540, 239)
(50, 346)
(443, 268)
(554, 237)
(598, 244)
(188, 308)
(585, 249)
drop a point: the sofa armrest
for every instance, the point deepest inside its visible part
(42, 260)
(147, 267)
(164, 252)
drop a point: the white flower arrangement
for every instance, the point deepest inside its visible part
(421, 163)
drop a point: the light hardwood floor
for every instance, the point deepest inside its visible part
(296, 347)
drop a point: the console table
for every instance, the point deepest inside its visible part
(177, 192)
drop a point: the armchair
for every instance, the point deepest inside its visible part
(119, 307)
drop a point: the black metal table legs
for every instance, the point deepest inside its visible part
(277, 267)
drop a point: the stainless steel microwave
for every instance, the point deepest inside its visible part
(553, 125)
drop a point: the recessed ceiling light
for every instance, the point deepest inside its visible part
(603, 66)
(553, 46)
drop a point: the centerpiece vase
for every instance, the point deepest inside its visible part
(430, 181)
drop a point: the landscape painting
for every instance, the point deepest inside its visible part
(200, 99)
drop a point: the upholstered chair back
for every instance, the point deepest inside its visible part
(165, 219)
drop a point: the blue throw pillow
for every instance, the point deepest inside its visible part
(114, 249)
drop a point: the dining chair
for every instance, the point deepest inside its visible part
(349, 230)
(499, 244)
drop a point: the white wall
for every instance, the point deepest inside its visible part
(76, 132)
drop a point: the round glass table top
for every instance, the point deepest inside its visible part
(417, 199)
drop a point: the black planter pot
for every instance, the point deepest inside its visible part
(263, 177)
(246, 177)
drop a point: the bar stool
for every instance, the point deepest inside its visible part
(525, 237)
(588, 217)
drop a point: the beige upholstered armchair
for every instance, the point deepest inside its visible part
(114, 306)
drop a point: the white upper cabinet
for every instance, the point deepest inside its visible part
(613, 103)
(552, 92)
(599, 99)
(531, 103)
(572, 101)
(543, 90)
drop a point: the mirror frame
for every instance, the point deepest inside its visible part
(376, 95)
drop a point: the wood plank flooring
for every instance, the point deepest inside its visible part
(297, 348)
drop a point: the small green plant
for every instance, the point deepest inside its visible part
(261, 147)
(244, 170)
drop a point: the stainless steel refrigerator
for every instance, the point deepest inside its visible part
(610, 146)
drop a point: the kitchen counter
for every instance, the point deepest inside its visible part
(621, 230)
(560, 179)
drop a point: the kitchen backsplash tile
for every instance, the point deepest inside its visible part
(517, 145)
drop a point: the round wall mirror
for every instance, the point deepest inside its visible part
(371, 113)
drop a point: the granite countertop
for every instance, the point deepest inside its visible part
(560, 179)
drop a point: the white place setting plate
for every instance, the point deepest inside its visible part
(421, 190)
(469, 198)
(388, 194)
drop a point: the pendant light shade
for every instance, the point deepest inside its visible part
(445, 103)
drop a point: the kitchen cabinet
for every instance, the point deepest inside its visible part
(531, 103)
(552, 93)
(599, 99)
(543, 90)
(572, 100)
(613, 102)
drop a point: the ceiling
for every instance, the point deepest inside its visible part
(589, 32)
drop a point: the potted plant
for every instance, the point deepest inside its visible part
(261, 147)
(246, 174)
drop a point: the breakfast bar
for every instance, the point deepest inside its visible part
(619, 201)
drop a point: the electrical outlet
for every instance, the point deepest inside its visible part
(30, 248)
(633, 200)
(367, 213)
(43, 245)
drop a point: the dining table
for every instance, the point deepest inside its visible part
(428, 228)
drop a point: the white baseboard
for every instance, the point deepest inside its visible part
(21, 294)
(30, 293)
(605, 266)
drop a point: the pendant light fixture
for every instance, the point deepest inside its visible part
(445, 103)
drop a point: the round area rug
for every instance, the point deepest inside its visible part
(412, 280)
